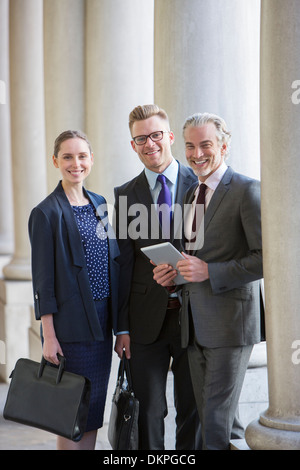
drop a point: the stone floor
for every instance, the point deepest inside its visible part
(253, 400)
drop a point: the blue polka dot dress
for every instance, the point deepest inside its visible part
(93, 358)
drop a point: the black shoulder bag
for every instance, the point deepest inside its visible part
(49, 398)
(123, 423)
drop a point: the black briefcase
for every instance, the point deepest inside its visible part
(49, 398)
(123, 423)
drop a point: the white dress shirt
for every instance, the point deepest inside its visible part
(211, 182)
(171, 173)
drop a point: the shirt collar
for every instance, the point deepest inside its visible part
(213, 180)
(170, 172)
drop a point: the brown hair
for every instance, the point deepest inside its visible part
(69, 135)
(139, 113)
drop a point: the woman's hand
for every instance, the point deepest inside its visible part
(51, 345)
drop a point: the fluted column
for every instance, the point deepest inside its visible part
(279, 426)
(207, 60)
(6, 202)
(64, 73)
(119, 76)
(27, 124)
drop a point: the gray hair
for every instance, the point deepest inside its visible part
(200, 119)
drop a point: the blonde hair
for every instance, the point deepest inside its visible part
(139, 113)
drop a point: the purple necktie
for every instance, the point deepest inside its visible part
(164, 197)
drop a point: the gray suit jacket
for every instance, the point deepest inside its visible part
(226, 307)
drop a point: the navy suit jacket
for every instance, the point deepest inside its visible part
(59, 273)
(142, 302)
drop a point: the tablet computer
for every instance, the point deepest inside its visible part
(165, 253)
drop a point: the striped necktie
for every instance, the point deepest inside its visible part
(200, 200)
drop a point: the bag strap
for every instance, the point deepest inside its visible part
(124, 367)
(62, 364)
(128, 374)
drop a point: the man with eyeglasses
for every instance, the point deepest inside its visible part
(148, 326)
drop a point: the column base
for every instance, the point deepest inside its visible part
(18, 269)
(260, 437)
(16, 301)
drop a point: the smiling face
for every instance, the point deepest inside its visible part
(203, 150)
(74, 160)
(156, 156)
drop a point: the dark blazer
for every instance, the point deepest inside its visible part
(226, 307)
(142, 302)
(59, 272)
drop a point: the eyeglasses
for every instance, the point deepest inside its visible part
(154, 136)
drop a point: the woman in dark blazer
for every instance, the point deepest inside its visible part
(75, 277)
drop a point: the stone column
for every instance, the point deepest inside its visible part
(119, 76)
(27, 124)
(207, 60)
(28, 168)
(6, 201)
(278, 428)
(64, 73)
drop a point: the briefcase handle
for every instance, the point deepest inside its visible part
(62, 363)
(124, 367)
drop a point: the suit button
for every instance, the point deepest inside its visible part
(187, 293)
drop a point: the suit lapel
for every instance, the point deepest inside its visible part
(217, 197)
(100, 206)
(142, 190)
(71, 226)
(184, 182)
(148, 215)
(72, 229)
